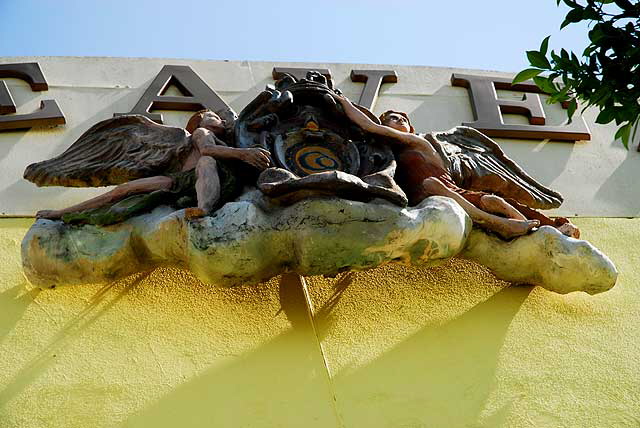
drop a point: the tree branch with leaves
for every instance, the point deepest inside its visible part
(606, 75)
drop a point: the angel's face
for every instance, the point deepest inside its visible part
(212, 122)
(397, 121)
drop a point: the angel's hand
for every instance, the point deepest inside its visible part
(354, 114)
(257, 157)
(350, 110)
(340, 98)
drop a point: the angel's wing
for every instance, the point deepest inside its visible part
(476, 162)
(114, 151)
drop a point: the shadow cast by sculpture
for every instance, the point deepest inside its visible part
(617, 185)
(419, 369)
(13, 303)
(442, 373)
(323, 316)
(282, 379)
(46, 356)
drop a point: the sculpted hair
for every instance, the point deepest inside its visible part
(194, 121)
(384, 115)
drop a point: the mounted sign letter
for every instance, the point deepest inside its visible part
(372, 80)
(488, 109)
(197, 95)
(49, 114)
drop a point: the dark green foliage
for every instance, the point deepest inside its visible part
(606, 75)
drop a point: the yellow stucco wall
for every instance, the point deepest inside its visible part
(391, 347)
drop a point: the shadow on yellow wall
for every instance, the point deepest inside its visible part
(441, 374)
(280, 383)
(78, 324)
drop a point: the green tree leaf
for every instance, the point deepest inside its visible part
(606, 75)
(545, 84)
(606, 115)
(537, 59)
(590, 14)
(544, 46)
(596, 34)
(526, 75)
(560, 96)
(623, 134)
(624, 4)
(574, 15)
(571, 108)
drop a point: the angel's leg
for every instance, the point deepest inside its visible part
(505, 227)
(120, 192)
(496, 205)
(207, 187)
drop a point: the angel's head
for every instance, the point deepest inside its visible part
(206, 119)
(397, 120)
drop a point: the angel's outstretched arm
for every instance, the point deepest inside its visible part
(393, 136)
(205, 141)
(406, 139)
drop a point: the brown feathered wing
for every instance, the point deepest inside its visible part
(114, 151)
(476, 162)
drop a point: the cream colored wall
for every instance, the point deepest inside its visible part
(593, 176)
(391, 347)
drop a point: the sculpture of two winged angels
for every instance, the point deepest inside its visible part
(303, 181)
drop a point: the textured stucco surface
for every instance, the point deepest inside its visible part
(448, 346)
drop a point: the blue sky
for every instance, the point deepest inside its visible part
(489, 34)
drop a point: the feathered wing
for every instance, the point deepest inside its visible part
(476, 162)
(114, 151)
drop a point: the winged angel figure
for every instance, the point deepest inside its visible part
(470, 168)
(151, 164)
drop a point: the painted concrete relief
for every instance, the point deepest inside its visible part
(302, 181)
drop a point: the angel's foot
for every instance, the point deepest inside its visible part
(50, 214)
(569, 229)
(194, 212)
(511, 228)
